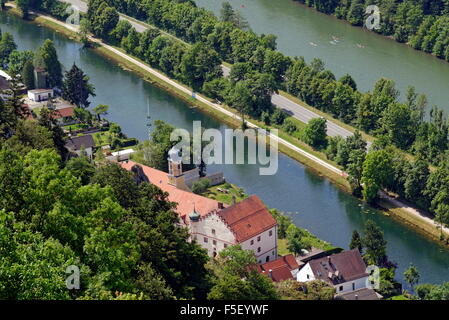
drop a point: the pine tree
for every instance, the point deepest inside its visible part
(76, 87)
(47, 58)
(28, 75)
(356, 241)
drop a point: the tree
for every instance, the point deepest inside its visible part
(377, 173)
(100, 110)
(104, 20)
(294, 239)
(356, 242)
(76, 87)
(28, 75)
(374, 243)
(200, 64)
(7, 46)
(24, 6)
(315, 133)
(46, 58)
(311, 290)
(82, 168)
(411, 275)
(234, 277)
(18, 59)
(83, 31)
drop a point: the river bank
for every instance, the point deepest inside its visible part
(116, 55)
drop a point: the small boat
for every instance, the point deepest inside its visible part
(360, 46)
(313, 44)
(336, 39)
(242, 6)
(333, 42)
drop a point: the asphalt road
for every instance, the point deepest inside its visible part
(294, 109)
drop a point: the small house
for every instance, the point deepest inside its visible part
(345, 271)
(39, 95)
(79, 144)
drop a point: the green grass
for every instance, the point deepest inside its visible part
(399, 297)
(233, 190)
(75, 127)
(282, 247)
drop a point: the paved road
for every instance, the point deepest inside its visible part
(296, 110)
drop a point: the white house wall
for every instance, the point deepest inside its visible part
(267, 245)
(203, 229)
(305, 274)
(351, 285)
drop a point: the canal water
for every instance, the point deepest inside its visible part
(302, 31)
(312, 201)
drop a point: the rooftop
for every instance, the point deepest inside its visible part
(76, 143)
(185, 200)
(340, 267)
(248, 218)
(281, 268)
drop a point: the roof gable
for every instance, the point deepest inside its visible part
(247, 218)
(339, 268)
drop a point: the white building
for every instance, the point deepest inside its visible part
(346, 271)
(39, 95)
(248, 223)
(212, 224)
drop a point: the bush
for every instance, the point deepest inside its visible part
(278, 117)
(201, 186)
(289, 126)
(315, 133)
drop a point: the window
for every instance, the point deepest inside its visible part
(270, 233)
(341, 288)
(214, 242)
(252, 242)
(308, 276)
(205, 239)
(213, 231)
(258, 249)
(267, 259)
(353, 286)
(225, 245)
(258, 238)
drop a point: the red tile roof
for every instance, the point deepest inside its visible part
(185, 200)
(339, 268)
(63, 113)
(288, 261)
(247, 218)
(281, 268)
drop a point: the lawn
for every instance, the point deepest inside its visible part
(226, 197)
